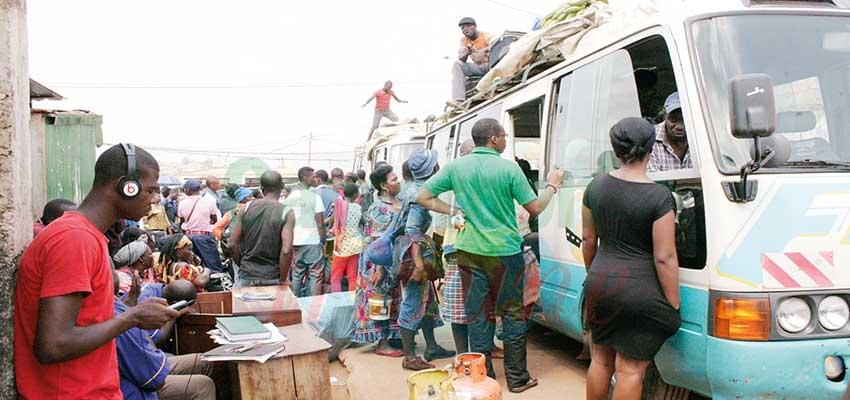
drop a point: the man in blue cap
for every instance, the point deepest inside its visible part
(670, 151)
(489, 246)
(414, 260)
(475, 47)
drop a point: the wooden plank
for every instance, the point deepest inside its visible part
(312, 375)
(273, 379)
(214, 303)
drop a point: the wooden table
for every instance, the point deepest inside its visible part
(301, 371)
(284, 310)
(191, 329)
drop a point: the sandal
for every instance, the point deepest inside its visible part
(390, 352)
(416, 364)
(497, 353)
(532, 382)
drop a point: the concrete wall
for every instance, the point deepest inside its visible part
(39, 164)
(15, 204)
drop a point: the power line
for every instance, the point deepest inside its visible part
(272, 85)
(499, 3)
(225, 153)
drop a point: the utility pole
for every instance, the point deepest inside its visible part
(310, 149)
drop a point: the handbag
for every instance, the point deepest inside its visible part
(531, 279)
(380, 251)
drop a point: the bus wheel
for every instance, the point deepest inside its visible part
(654, 388)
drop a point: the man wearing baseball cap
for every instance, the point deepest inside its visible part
(475, 47)
(670, 151)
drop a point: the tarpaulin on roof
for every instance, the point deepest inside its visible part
(597, 23)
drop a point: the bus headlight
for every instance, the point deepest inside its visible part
(793, 314)
(833, 313)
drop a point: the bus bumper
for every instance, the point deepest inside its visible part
(775, 370)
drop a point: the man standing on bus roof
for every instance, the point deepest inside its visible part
(671, 150)
(474, 45)
(382, 106)
(489, 246)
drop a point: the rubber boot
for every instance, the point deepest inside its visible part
(460, 334)
(433, 351)
(410, 361)
(516, 364)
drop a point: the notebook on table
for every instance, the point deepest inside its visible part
(237, 329)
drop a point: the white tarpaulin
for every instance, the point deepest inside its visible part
(597, 23)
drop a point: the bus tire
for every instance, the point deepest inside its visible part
(654, 388)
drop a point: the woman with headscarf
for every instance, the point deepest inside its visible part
(130, 262)
(415, 267)
(372, 279)
(632, 287)
(177, 261)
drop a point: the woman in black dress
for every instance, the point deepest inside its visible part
(632, 285)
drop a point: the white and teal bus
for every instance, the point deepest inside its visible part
(764, 256)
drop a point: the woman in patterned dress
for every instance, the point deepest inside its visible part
(177, 261)
(371, 278)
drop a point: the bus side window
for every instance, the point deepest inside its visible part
(589, 102)
(655, 81)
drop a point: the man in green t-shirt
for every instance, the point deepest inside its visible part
(489, 245)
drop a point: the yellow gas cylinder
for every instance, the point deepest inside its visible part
(429, 384)
(471, 381)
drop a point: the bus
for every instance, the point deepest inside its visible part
(763, 235)
(392, 145)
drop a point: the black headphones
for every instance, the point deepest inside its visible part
(129, 186)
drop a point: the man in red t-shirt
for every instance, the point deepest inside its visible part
(382, 106)
(64, 325)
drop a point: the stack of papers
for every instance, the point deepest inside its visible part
(218, 337)
(257, 296)
(238, 329)
(244, 339)
(260, 352)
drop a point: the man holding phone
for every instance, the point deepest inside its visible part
(63, 323)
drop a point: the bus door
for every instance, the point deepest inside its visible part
(587, 102)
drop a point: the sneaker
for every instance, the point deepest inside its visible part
(440, 353)
(416, 364)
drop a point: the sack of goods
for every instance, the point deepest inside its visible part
(566, 11)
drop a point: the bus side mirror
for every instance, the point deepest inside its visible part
(752, 107)
(752, 112)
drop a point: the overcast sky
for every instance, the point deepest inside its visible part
(253, 75)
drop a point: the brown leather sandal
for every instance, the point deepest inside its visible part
(416, 364)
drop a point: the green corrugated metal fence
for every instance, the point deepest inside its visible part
(71, 141)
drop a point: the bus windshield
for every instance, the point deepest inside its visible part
(808, 60)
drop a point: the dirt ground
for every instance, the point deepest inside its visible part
(551, 358)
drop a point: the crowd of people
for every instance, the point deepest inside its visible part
(109, 268)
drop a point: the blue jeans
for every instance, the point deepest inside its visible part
(206, 248)
(494, 287)
(308, 271)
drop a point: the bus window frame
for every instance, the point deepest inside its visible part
(678, 72)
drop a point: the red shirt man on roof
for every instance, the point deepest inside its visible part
(63, 322)
(382, 106)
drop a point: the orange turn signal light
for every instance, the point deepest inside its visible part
(742, 318)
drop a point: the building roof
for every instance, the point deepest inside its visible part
(41, 92)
